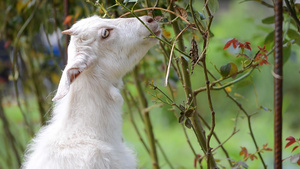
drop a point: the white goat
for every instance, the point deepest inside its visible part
(85, 131)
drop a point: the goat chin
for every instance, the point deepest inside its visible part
(85, 131)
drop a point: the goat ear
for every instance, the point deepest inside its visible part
(71, 72)
(68, 32)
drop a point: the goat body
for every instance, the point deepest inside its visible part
(85, 131)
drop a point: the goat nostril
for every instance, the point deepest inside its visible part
(150, 20)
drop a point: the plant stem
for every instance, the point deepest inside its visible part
(147, 120)
(133, 121)
(10, 136)
(191, 100)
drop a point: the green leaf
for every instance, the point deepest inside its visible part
(213, 5)
(268, 20)
(287, 50)
(225, 70)
(233, 69)
(269, 38)
(293, 34)
(202, 17)
(230, 69)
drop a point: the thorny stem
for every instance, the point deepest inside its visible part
(147, 120)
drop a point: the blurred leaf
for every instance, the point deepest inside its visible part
(55, 78)
(244, 152)
(157, 13)
(202, 17)
(295, 148)
(234, 43)
(182, 12)
(230, 69)
(21, 5)
(166, 33)
(293, 34)
(287, 52)
(295, 158)
(68, 20)
(291, 140)
(213, 5)
(228, 89)
(225, 70)
(233, 70)
(269, 38)
(238, 95)
(268, 20)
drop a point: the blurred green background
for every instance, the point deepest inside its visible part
(233, 19)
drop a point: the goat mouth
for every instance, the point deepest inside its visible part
(157, 33)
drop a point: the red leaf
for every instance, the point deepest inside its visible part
(266, 148)
(244, 152)
(68, 20)
(264, 61)
(233, 41)
(7, 44)
(252, 157)
(247, 45)
(227, 45)
(291, 140)
(295, 148)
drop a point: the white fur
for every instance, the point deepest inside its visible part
(85, 131)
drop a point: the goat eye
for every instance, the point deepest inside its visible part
(105, 33)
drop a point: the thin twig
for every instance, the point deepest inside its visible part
(171, 54)
(147, 120)
(133, 121)
(10, 136)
